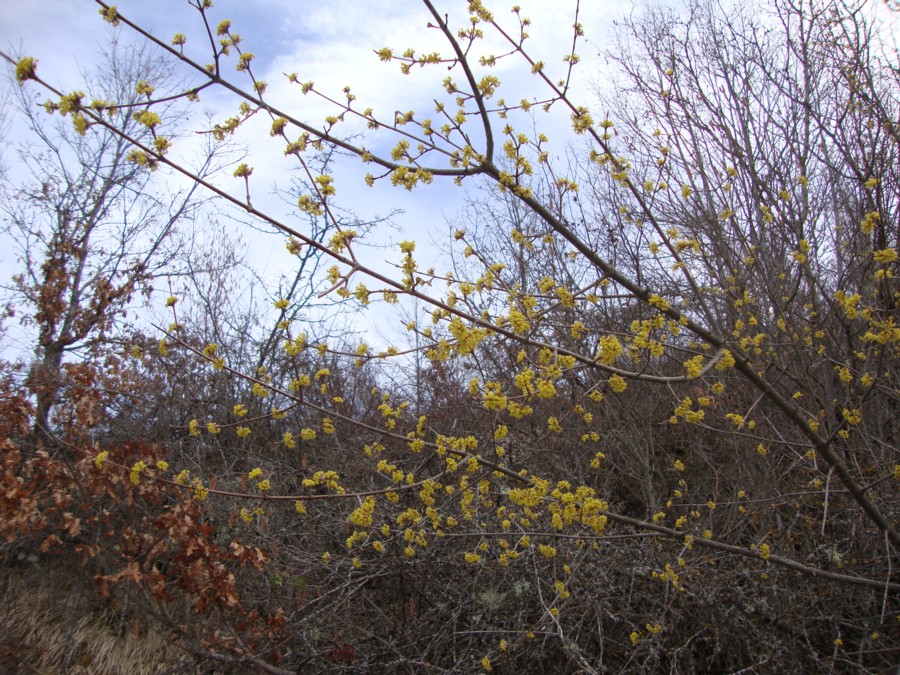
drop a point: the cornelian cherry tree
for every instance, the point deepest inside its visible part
(662, 373)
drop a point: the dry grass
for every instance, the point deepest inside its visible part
(51, 621)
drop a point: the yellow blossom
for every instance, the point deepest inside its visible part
(885, 255)
(547, 551)
(136, 471)
(617, 384)
(694, 366)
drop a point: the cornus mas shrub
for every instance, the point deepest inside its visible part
(652, 419)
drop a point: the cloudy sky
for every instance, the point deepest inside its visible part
(332, 44)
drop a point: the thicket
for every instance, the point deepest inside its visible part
(647, 422)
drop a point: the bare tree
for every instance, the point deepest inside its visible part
(92, 228)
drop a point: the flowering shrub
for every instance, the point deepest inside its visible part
(646, 408)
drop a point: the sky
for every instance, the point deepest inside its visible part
(332, 44)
